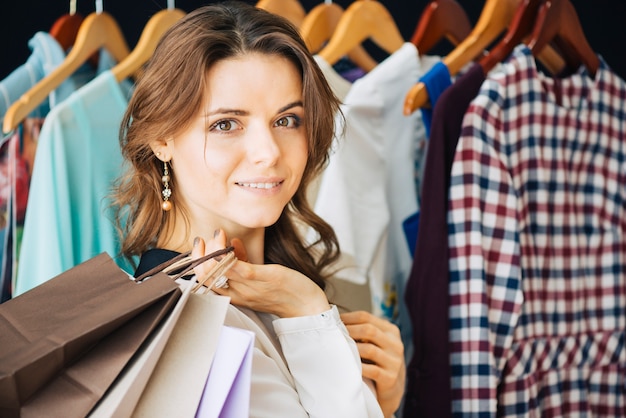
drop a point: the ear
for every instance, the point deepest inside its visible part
(162, 148)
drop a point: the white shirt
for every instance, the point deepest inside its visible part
(368, 188)
(304, 367)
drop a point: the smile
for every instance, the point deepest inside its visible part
(260, 185)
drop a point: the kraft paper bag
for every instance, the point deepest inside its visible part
(75, 391)
(122, 397)
(176, 386)
(47, 329)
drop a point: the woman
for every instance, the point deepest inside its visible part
(230, 122)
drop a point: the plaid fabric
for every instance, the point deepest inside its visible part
(537, 224)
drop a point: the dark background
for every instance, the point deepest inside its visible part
(603, 22)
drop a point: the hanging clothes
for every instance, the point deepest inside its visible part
(16, 166)
(367, 190)
(537, 244)
(426, 296)
(78, 156)
(337, 82)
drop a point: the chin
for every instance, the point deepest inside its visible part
(259, 222)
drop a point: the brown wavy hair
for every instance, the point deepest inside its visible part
(170, 94)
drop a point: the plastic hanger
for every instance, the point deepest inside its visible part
(157, 25)
(363, 19)
(292, 10)
(441, 19)
(318, 27)
(494, 18)
(521, 27)
(557, 22)
(99, 30)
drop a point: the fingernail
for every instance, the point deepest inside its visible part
(196, 241)
(216, 233)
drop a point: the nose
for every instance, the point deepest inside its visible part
(264, 147)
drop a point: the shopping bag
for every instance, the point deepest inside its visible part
(227, 390)
(179, 351)
(74, 392)
(102, 297)
(48, 328)
(123, 395)
(183, 368)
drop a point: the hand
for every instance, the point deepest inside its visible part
(268, 288)
(382, 350)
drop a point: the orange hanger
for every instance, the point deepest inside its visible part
(291, 10)
(441, 19)
(157, 25)
(557, 22)
(494, 18)
(363, 19)
(99, 30)
(520, 28)
(318, 27)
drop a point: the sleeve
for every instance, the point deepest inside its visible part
(326, 366)
(485, 279)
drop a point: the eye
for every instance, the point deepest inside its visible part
(291, 121)
(224, 125)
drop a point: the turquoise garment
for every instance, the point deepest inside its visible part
(78, 156)
(46, 56)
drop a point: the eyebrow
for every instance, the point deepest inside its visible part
(239, 112)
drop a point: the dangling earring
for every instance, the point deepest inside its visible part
(167, 192)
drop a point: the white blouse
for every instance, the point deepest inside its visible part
(305, 367)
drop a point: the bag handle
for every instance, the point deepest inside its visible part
(183, 261)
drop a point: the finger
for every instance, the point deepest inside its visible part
(362, 317)
(240, 249)
(198, 248)
(374, 354)
(368, 333)
(218, 241)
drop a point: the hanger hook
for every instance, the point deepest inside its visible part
(171, 4)
(99, 6)
(72, 7)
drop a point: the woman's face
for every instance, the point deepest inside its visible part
(242, 159)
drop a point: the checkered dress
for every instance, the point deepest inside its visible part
(537, 238)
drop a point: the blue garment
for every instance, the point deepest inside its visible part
(436, 81)
(46, 56)
(78, 157)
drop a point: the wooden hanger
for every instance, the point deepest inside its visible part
(99, 30)
(291, 10)
(363, 19)
(318, 27)
(441, 19)
(65, 29)
(157, 25)
(557, 22)
(520, 28)
(494, 18)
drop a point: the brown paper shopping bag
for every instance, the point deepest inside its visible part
(174, 363)
(47, 329)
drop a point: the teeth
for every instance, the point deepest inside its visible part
(259, 185)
